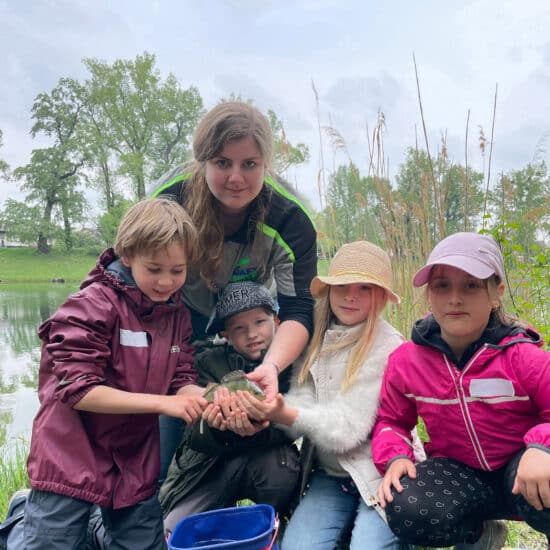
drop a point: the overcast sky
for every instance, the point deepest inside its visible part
(358, 53)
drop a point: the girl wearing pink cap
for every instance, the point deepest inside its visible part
(480, 380)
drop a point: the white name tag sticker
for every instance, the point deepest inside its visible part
(491, 387)
(133, 339)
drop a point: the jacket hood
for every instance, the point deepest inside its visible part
(121, 272)
(109, 269)
(427, 332)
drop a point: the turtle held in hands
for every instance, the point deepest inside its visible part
(234, 381)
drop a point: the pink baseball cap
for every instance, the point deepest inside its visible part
(477, 255)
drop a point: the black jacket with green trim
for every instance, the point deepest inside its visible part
(288, 247)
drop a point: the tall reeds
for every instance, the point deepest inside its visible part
(441, 197)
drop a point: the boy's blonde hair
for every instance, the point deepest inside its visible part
(229, 121)
(362, 340)
(154, 224)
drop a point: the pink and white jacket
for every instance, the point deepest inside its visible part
(481, 414)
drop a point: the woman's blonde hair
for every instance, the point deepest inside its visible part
(154, 224)
(229, 121)
(361, 340)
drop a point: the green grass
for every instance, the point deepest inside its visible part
(520, 535)
(13, 473)
(26, 265)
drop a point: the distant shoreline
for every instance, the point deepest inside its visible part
(25, 265)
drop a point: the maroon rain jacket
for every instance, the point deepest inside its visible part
(108, 333)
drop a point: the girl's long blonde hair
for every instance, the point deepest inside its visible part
(361, 340)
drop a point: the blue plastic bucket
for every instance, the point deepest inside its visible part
(239, 528)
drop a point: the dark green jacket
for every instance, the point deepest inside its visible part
(200, 452)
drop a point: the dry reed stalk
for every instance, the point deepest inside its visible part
(437, 197)
(322, 181)
(490, 156)
(466, 179)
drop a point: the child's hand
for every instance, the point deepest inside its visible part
(189, 406)
(533, 478)
(242, 425)
(192, 389)
(213, 416)
(261, 410)
(397, 469)
(233, 416)
(227, 402)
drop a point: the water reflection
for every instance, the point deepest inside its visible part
(22, 308)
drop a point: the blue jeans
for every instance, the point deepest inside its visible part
(327, 514)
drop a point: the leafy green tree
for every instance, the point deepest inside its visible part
(22, 222)
(521, 200)
(526, 273)
(50, 178)
(438, 203)
(349, 214)
(179, 113)
(108, 222)
(50, 182)
(145, 121)
(4, 166)
(102, 173)
(285, 154)
(519, 219)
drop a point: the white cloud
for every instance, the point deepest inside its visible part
(358, 55)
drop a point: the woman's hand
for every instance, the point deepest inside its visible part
(398, 468)
(533, 478)
(266, 376)
(275, 410)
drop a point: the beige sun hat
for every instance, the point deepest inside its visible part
(358, 262)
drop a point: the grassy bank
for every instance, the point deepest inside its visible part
(26, 265)
(13, 473)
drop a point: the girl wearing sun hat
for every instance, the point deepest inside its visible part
(333, 401)
(480, 380)
(358, 262)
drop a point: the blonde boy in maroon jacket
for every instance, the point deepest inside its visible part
(115, 355)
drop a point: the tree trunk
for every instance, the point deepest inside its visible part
(108, 190)
(42, 244)
(68, 232)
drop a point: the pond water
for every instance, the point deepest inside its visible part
(23, 307)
